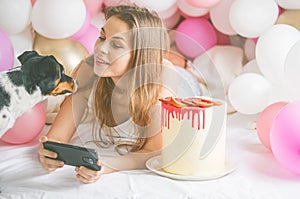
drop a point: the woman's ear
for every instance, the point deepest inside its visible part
(27, 55)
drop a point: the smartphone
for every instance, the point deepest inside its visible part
(74, 155)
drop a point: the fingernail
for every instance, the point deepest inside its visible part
(43, 139)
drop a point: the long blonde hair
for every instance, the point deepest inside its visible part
(149, 40)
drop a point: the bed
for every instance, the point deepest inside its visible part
(257, 174)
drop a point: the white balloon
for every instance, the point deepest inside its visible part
(58, 19)
(190, 10)
(172, 21)
(250, 18)
(165, 8)
(251, 67)
(219, 16)
(281, 93)
(292, 69)
(14, 15)
(21, 42)
(289, 4)
(249, 93)
(272, 48)
(98, 20)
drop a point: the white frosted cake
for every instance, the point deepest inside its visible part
(193, 131)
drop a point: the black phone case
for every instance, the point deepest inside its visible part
(74, 155)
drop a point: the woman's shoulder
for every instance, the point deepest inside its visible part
(84, 72)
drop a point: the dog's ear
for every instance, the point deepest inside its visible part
(28, 78)
(27, 55)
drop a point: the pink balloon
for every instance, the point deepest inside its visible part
(89, 38)
(6, 52)
(265, 121)
(202, 3)
(27, 126)
(93, 6)
(194, 36)
(285, 137)
(84, 27)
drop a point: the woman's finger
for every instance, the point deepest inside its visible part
(43, 139)
(87, 174)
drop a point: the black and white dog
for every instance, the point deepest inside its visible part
(23, 87)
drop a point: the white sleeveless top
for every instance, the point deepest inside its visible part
(123, 133)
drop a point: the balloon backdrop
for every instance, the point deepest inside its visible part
(285, 137)
(249, 93)
(84, 27)
(251, 67)
(249, 49)
(292, 70)
(165, 8)
(6, 52)
(202, 3)
(219, 16)
(194, 36)
(189, 10)
(272, 48)
(89, 38)
(290, 17)
(52, 19)
(172, 21)
(289, 4)
(27, 126)
(93, 6)
(14, 15)
(265, 121)
(21, 42)
(247, 24)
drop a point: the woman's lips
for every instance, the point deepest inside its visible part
(101, 62)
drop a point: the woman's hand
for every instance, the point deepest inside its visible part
(86, 175)
(45, 155)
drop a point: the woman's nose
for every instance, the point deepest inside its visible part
(102, 47)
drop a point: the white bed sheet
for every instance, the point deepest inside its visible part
(258, 175)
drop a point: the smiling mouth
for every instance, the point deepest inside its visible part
(101, 62)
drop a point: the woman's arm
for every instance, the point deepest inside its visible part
(69, 116)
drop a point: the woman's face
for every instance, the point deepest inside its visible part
(112, 51)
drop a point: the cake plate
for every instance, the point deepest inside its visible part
(154, 164)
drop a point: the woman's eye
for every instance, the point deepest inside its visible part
(115, 45)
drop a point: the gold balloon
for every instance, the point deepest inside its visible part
(67, 51)
(290, 17)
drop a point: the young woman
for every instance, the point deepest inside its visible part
(125, 76)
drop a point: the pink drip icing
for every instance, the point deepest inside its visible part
(179, 113)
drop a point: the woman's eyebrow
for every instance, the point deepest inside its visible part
(102, 30)
(119, 37)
